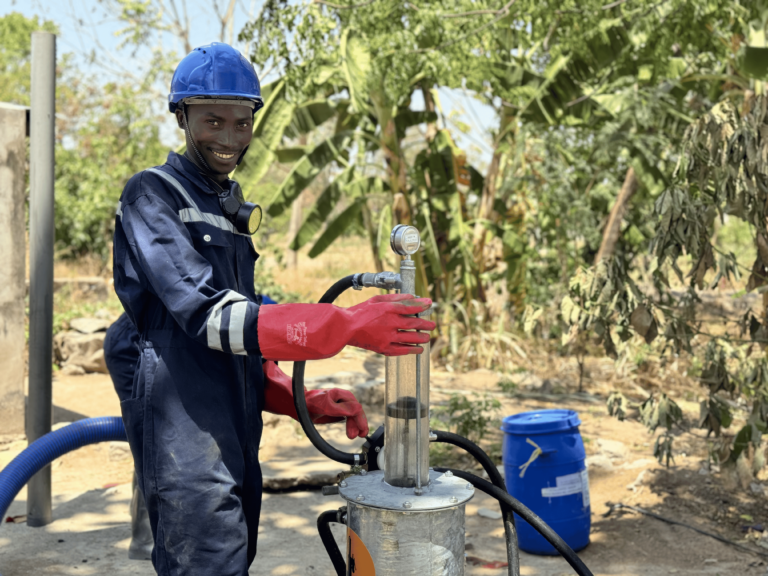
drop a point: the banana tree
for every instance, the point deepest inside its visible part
(367, 126)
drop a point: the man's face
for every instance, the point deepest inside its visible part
(221, 132)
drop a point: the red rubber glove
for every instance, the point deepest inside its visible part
(325, 406)
(316, 331)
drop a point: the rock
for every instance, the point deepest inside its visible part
(344, 379)
(285, 473)
(524, 380)
(710, 561)
(599, 462)
(370, 392)
(757, 488)
(763, 541)
(94, 286)
(612, 448)
(72, 370)
(119, 451)
(89, 325)
(80, 350)
(551, 386)
(638, 481)
(490, 514)
(347, 378)
(642, 463)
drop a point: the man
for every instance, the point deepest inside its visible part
(184, 266)
(121, 354)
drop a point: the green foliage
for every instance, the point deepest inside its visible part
(368, 64)
(105, 134)
(68, 305)
(653, 413)
(265, 283)
(16, 53)
(468, 418)
(618, 405)
(114, 140)
(476, 337)
(662, 449)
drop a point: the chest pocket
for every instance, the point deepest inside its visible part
(213, 244)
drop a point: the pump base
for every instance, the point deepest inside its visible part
(393, 532)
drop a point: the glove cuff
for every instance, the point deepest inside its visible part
(297, 332)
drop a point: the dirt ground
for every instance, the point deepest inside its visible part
(90, 532)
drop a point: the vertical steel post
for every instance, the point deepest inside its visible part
(41, 161)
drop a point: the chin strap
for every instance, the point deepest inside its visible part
(192, 141)
(241, 156)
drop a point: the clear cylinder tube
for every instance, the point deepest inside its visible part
(400, 429)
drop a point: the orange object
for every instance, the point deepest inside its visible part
(359, 561)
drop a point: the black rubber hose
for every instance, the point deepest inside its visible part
(528, 515)
(510, 533)
(324, 528)
(300, 402)
(476, 452)
(337, 289)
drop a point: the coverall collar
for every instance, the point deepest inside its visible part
(189, 170)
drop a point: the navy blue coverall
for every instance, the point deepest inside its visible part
(193, 418)
(121, 351)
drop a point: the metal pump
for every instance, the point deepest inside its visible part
(406, 518)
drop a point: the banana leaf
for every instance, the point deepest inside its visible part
(356, 62)
(323, 207)
(306, 170)
(336, 228)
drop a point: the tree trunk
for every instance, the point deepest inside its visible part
(485, 207)
(429, 106)
(612, 230)
(293, 228)
(372, 233)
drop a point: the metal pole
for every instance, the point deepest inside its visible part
(418, 490)
(41, 161)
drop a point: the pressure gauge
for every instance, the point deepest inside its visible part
(405, 240)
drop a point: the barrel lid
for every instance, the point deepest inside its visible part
(540, 422)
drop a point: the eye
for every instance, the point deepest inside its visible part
(213, 122)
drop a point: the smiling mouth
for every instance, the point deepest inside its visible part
(222, 155)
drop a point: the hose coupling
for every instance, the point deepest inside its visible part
(385, 280)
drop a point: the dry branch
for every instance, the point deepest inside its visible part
(613, 227)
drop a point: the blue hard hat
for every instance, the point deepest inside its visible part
(215, 70)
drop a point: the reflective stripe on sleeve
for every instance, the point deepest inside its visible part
(237, 327)
(213, 325)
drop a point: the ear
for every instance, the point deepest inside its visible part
(180, 118)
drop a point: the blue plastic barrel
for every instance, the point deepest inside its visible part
(554, 484)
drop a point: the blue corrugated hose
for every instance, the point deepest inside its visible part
(46, 449)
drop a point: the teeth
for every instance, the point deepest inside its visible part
(224, 156)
